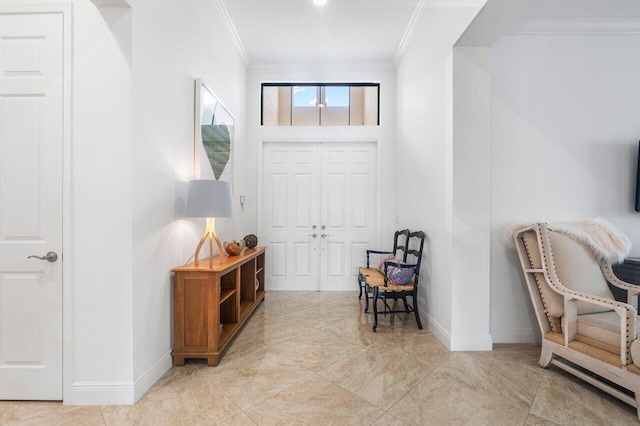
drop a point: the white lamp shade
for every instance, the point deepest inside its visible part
(209, 198)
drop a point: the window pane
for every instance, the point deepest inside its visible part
(334, 116)
(270, 106)
(320, 104)
(305, 116)
(337, 96)
(305, 96)
(371, 99)
(305, 106)
(356, 109)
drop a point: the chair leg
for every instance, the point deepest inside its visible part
(546, 355)
(406, 307)
(415, 308)
(360, 285)
(375, 308)
(366, 297)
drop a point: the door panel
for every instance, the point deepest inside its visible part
(330, 185)
(291, 178)
(348, 203)
(31, 105)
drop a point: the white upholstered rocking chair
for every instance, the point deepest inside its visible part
(584, 330)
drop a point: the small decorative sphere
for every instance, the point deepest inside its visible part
(251, 241)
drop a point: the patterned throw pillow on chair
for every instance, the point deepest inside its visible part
(399, 275)
(391, 258)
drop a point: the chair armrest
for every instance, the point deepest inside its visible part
(627, 313)
(388, 263)
(399, 265)
(376, 252)
(611, 277)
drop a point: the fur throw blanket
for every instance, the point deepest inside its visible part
(607, 242)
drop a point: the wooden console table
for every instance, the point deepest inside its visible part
(628, 271)
(212, 304)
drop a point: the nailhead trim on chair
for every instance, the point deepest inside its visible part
(588, 360)
(536, 276)
(632, 368)
(545, 264)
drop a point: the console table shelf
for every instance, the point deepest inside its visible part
(226, 294)
(212, 304)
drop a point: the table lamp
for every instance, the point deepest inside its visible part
(209, 199)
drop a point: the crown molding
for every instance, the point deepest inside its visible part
(457, 3)
(320, 66)
(111, 3)
(418, 13)
(543, 26)
(231, 29)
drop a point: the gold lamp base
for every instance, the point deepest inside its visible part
(209, 233)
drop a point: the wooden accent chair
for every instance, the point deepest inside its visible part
(381, 283)
(584, 330)
(399, 241)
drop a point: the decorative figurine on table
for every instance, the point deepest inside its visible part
(233, 248)
(251, 241)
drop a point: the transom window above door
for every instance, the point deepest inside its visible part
(320, 104)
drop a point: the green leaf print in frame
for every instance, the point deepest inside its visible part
(214, 137)
(217, 145)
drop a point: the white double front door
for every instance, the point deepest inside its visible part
(31, 146)
(319, 213)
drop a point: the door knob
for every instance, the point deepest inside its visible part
(49, 257)
(325, 235)
(314, 227)
(324, 227)
(313, 235)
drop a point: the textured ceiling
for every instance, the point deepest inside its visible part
(296, 31)
(371, 31)
(584, 9)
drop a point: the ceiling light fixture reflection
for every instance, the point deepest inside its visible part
(320, 2)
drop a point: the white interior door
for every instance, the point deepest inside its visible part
(348, 215)
(291, 185)
(31, 136)
(319, 213)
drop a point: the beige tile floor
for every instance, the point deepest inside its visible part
(311, 358)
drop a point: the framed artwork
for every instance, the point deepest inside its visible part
(214, 128)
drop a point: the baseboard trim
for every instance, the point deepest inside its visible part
(462, 343)
(151, 375)
(439, 331)
(516, 336)
(100, 393)
(118, 393)
(458, 343)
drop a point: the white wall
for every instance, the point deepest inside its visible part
(173, 43)
(385, 134)
(97, 289)
(97, 343)
(131, 158)
(471, 222)
(424, 153)
(101, 282)
(565, 133)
